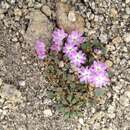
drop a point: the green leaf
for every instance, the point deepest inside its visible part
(51, 94)
(79, 114)
(67, 115)
(69, 98)
(99, 92)
(96, 42)
(61, 109)
(86, 46)
(64, 101)
(73, 114)
(103, 49)
(74, 101)
(110, 73)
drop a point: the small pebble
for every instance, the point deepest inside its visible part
(127, 37)
(61, 64)
(22, 83)
(46, 10)
(124, 101)
(72, 16)
(109, 63)
(127, 1)
(81, 121)
(47, 112)
(1, 82)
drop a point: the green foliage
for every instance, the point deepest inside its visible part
(66, 90)
(97, 45)
(99, 92)
(110, 73)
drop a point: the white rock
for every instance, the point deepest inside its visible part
(61, 64)
(81, 121)
(124, 101)
(64, 1)
(103, 38)
(0, 82)
(112, 115)
(111, 109)
(127, 37)
(72, 16)
(46, 10)
(128, 10)
(127, 93)
(47, 112)
(22, 83)
(109, 63)
(127, 1)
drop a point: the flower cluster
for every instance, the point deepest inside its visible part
(58, 36)
(70, 45)
(96, 74)
(40, 49)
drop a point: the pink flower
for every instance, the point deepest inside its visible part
(40, 49)
(77, 58)
(97, 51)
(75, 38)
(99, 67)
(100, 80)
(100, 76)
(56, 47)
(69, 49)
(59, 35)
(85, 75)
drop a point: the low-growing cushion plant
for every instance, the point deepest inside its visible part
(75, 70)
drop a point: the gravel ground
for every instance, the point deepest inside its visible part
(23, 99)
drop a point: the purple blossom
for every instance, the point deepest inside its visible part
(85, 75)
(99, 67)
(58, 35)
(100, 80)
(56, 47)
(98, 51)
(77, 58)
(75, 38)
(69, 49)
(40, 49)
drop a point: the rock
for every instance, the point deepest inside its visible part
(11, 1)
(46, 10)
(114, 12)
(39, 27)
(124, 101)
(47, 113)
(5, 5)
(96, 116)
(37, 5)
(111, 115)
(81, 121)
(107, 129)
(64, 1)
(18, 12)
(72, 16)
(61, 64)
(103, 37)
(127, 93)
(111, 109)
(10, 92)
(22, 83)
(1, 82)
(127, 37)
(109, 63)
(128, 10)
(68, 19)
(117, 39)
(127, 1)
